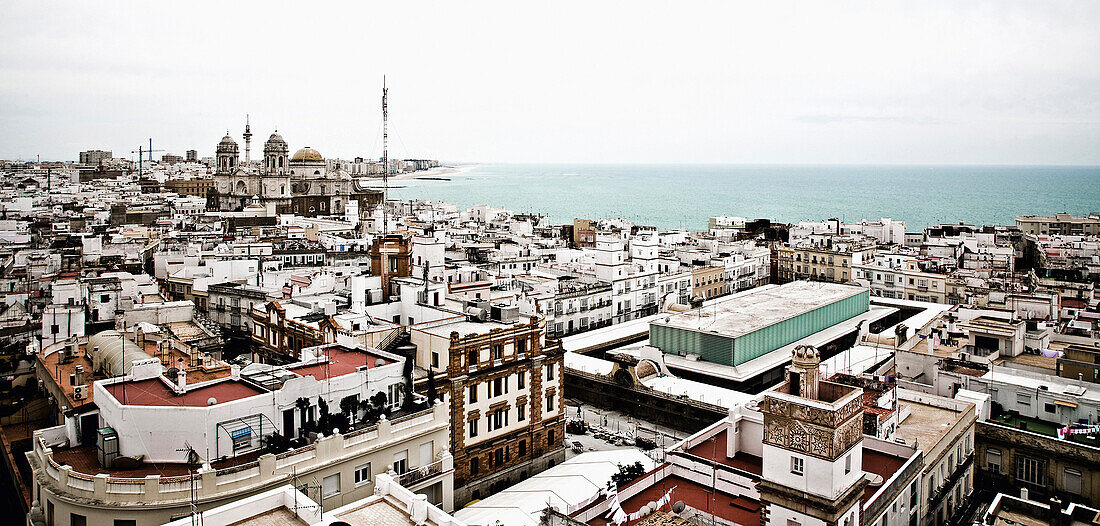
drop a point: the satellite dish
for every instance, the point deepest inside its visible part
(678, 507)
(211, 401)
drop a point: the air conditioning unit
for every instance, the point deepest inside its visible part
(80, 392)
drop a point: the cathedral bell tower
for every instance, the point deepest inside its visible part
(276, 154)
(813, 448)
(227, 155)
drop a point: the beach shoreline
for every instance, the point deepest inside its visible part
(437, 172)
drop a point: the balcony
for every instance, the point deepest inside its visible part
(417, 478)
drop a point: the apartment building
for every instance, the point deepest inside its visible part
(1060, 223)
(634, 280)
(827, 259)
(158, 447)
(506, 399)
(900, 276)
(708, 282)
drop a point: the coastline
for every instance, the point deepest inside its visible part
(439, 171)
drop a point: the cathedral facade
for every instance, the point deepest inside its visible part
(300, 184)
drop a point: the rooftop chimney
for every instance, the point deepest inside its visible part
(181, 380)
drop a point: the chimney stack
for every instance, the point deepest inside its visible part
(181, 380)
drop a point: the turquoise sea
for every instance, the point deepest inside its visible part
(684, 196)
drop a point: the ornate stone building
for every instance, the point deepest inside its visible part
(813, 449)
(507, 408)
(302, 184)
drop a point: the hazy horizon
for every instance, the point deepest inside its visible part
(937, 84)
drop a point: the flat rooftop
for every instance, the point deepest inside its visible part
(744, 314)
(739, 510)
(926, 424)
(156, 393)
(280, 516)
(377, 512)
(882, 465)
(463, 327)
(714, 449)
(340, 362)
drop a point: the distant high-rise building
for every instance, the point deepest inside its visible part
(192, 156)
(95, 157)
(169, 158)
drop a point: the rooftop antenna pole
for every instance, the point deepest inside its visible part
(385, 158)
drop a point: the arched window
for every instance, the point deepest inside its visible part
(317, 172)
(280, 161)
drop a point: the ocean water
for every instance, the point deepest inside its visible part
(684, 196)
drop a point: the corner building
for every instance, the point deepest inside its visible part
(507, 417)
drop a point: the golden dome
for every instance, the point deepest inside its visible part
(307, 154)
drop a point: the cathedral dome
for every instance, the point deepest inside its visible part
(227, 145)
(275, 139)
(275, 143)
(307, 154)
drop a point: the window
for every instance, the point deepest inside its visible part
(362, 474)
(497, 351)
(521, 412)
(521, 346)
(473, 466)
(549, 371)
(848, 464)
(792, 522)
(401, 461)
(1023, 398)
(330, 485)
(797, 465)
(1071, 481)
(473, 427)
(435, 359)
(549, 403)
(104, 298)
(1030, 470)
(125, 522)
(498, 386)
(473, 393)
(1048, 408)
(75, 519)
(550, 438)
(522, 448)
(521, 380)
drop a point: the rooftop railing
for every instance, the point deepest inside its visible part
(268, 470)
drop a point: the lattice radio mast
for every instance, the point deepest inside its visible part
(385, 159)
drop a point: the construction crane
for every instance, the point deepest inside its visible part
(141, 151)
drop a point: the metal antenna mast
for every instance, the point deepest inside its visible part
(385, 159)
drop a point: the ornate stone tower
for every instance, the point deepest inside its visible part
(276, 153)
(227, 155)
(813, 449)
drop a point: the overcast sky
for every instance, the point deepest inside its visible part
(728, 82)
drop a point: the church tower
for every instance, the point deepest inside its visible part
(227, 155)
(276, 152)
(813, 449)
